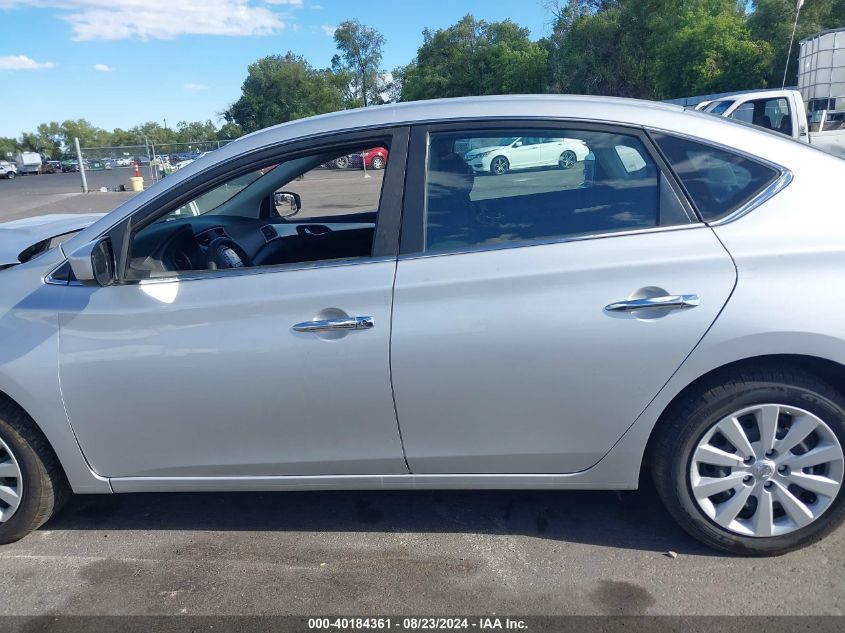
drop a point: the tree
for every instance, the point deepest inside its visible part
(603, 48)
(710, 50)
(8, 147)
(195, 132)
(360, 49)
(474, 57)
(772, 21)
(229, 131)
(280, 88)
(654, 49)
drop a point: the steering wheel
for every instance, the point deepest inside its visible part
(224, 252)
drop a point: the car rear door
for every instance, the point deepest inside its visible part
(530, 335)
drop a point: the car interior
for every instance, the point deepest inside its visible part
(251, 221)
(606, 197)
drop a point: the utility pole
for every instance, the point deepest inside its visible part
(798, 5)
(81, 165)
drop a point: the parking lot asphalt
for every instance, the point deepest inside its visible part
(367, 553)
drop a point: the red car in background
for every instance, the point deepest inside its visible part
(375, 158)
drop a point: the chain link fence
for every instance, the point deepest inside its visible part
(154, 160)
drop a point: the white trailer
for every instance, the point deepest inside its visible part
(28, 162)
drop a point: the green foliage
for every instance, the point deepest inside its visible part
(609, 48)
(280, 88)
(359, 61)
(655, 49)
(7, 146)
(474, 57)
(711, 50)
(772, 21)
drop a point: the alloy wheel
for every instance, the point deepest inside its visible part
(11, 483)
(567, 159)
(766, 470)
(499, 165)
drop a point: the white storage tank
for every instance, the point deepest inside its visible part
(821, 70)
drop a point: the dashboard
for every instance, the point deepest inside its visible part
(186, 244)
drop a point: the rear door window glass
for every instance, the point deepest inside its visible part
(718, 181)
(485, 188)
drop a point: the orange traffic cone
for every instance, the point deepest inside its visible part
(137, 172)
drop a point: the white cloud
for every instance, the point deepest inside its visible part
(329, 30)
(290, 3)
(22, 62)
(103, 68)
(195, 87)
(161, 19)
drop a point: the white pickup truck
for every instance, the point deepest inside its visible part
(783, 111)
(8, 170)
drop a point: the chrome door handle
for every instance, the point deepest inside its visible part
(668, 302)
(329, 325)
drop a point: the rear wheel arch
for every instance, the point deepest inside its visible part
(828, 371)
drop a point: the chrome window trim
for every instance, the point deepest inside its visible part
(554, 240)
(229, 272)
(257, 270)
(780, 183)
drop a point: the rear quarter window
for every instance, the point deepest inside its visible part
(718, 181)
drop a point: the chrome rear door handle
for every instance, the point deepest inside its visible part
(667, 302)
(329, 325)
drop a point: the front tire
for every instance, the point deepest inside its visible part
(342, 162)
(10, 175)
(499, 166)
(751, 462)
(32, 484)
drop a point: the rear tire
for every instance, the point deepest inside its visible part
(377, 163)
(10, 175)
(764, 520)
(31, 471)
(567, 160)
(342, 162)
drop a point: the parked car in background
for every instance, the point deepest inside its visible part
(70, 165)
(8, 170)
(28, 162)
(375, 158)
(525, 153)
(51, 167)
(674, 309)
(124, 162)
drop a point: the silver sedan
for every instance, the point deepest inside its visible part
(672, 299)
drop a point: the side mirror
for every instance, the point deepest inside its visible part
(517, 143)
(93, 264)
(287, 203)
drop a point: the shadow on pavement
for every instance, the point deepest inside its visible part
(633, 520)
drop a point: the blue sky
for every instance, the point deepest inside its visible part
(118, 63)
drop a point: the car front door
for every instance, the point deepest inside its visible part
(533, 343)
(252, 371)
(524, 152)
